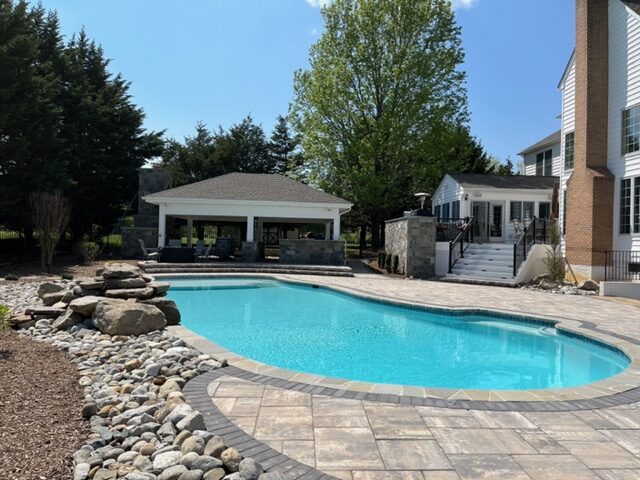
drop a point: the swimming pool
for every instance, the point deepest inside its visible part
(329, 333)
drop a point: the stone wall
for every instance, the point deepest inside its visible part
(151, 180)
(312, 252)
(130, 245)
(413, 240)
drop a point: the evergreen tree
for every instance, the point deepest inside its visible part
(194, 160)
(284, 147)
(244, 148)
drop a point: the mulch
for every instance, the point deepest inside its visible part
(41, 423)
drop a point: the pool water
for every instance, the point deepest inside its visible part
(321, 331)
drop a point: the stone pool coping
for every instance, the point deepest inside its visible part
(620, 389)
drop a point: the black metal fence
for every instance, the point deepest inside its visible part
(622, 265)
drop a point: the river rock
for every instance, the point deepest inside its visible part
(194, 421)
(192, 444)
(250, 469)
(215, 447)
(165, 460)
(126, 318)
(231, 459)
(215, 474)
(191, 475)
(166, 306)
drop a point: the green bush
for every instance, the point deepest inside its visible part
(387, 263)
(394, 263)
(67, 276)
(12, 276)
(5, 314)
(88, 251)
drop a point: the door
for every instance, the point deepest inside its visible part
(480, 213)
(544, 210)
(496, 221)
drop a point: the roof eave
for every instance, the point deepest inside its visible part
(156, 200)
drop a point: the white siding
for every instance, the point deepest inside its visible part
(568, 123)
(624, 92)
(448, 191)
(530, 160)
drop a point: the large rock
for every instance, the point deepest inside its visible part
(589, 286)
(119, 317)
(85, 305)
(67, 320)
(50, 299)
(139, 293)
(120, 270)
(91, 284)
(166, 306)
(49, 287)
(44, 312)
(160, 287)
(118, 283)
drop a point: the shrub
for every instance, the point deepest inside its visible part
(387, 263)
(12, 276)
(394, 263)
(88, 251)
(554, 261)
(67, 276)
(5, 314)
(382, 259)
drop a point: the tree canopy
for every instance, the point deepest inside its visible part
(382, 110)
(244, 147)
(66, 123)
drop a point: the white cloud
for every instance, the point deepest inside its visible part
(318, 3)
(461, 3)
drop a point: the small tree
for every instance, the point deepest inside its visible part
(50, 213)
(554, 260)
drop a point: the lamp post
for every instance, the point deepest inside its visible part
(423, 197)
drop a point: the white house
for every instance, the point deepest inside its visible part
(597, 151)
(496, 202)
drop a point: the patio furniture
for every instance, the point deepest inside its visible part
(223, 247)
(148, 253)
(199, 248)
(206, 254)
(176, 255)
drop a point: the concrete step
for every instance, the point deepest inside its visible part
(481, 270)
(480, 280)
(230, 267)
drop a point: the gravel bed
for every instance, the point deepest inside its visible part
(40, 410)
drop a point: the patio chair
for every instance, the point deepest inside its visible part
(206, 254)
(199, 248)
(223, 247)
(148, 253)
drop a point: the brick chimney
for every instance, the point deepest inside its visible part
(590, 189)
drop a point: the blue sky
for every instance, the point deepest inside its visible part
(219, 60)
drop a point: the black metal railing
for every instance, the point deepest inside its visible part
(447, 229)
(459, 244)
(622, 265)
(537, 232)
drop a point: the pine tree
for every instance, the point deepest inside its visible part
(284, 147)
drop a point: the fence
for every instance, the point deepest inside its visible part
(622, 265)
(448, 229)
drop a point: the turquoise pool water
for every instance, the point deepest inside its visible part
(328, 333)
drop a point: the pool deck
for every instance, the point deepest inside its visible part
(368, 433)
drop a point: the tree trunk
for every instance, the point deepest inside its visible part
(376, 224)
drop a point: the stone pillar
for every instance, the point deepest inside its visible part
(590, 189)
(413, 241)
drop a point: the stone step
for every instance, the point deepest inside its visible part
(480, 280)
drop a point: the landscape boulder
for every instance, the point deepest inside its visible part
(589, 286)
(166, 306)
(67, 320)
(49, 287)
(120, 270)
(118, 283)
(85, 305)
(125, 293)
(119, 317)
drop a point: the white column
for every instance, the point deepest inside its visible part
(189, 232)
(162, 227)
(327, 230)
(336, 227)
(250, 228)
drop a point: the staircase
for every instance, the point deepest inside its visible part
(485, 263)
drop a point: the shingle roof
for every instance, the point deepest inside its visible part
(250, 186)
(545, 142)
(518, 182)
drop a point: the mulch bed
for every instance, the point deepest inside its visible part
(41, 424)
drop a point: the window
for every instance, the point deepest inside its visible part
(569, 140)
(636, 205)
(445, 210)
(631, 130)
(516, 211)
(544, 210)
(564, 212)
(436, 211)
(544, 163)
(522, 211)
(455, 209)
(625, 205)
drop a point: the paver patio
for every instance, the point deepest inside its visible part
(366, 440)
